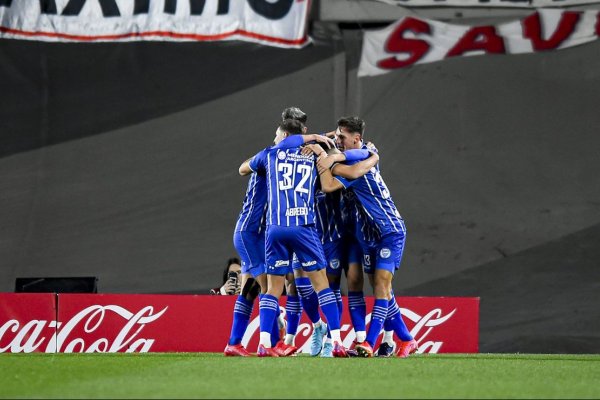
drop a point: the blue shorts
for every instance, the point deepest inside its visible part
(283, 241)
(251, 248)
(334, 255)
(384, 254)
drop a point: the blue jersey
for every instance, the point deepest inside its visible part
(376, 201)
(251, 217)
(330, 224)
(291, 178)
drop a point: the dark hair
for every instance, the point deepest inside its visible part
(294, 113)
(291, 126)
(352, 124)
(232, 260)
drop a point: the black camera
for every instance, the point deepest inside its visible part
(233, 276)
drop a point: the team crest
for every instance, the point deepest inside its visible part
(385, 253)
(281, 155)
(335, 263)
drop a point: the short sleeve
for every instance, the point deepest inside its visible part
(259, 161)
(345, 182)
(290, 142)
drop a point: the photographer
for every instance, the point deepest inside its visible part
(231, 278)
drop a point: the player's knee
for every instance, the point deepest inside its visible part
(251, 289)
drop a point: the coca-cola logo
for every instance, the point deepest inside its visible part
(28, 338)
(424, 324)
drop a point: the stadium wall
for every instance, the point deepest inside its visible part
(120, 160)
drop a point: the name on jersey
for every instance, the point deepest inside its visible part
(296, 211)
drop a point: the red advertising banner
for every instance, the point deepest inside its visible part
(143, 323)
(27, 322)
(187, 323)
(184, 323)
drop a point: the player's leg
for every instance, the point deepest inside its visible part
(380, 263)
(333, 253)
(383, 282)
(277, 262)
(269, 309)
(293, 311)
(407, 343)
(356, 297)
(310, 255)
(244, 303)
(310, 304)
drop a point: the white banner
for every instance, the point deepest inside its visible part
(279, 23)
(488, 3)
(412, 41)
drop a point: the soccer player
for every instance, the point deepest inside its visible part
(249, 239)
(363, 234)
(331, 228)
(291, 178)
(384, 251)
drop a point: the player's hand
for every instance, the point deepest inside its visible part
(371, 147)
(324, 162)
(312, 149)
(329, 142)
(229, 287)
(306, 151)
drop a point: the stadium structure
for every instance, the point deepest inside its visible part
(119, 160)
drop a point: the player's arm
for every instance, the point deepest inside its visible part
(298, 140)
(254, 164)
(328, 182)
(245, 168)
(357, 170)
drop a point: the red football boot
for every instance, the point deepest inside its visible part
(339, 351)
(285, 350)
(364, 349)
(266, 351)
(236, 350)
(407, 348)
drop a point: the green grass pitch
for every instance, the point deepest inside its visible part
(211, 375)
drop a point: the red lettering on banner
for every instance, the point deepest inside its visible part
(482, 38)
(397, 43)
(532, 29)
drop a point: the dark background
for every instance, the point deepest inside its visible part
(120, 161)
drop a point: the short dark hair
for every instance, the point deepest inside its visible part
(352, 124)
(291, 126)
(294, 113)
(232, 260)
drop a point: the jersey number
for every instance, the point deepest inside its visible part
(385, 193)
(287, 170)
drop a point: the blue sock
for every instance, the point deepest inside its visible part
(293, 312)
(377, 317)
(335, 287)
(358, 310)
(241, 315)
(396, 321)
(329, 306)
(268, 312)
(275, 331)
(309, 299)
